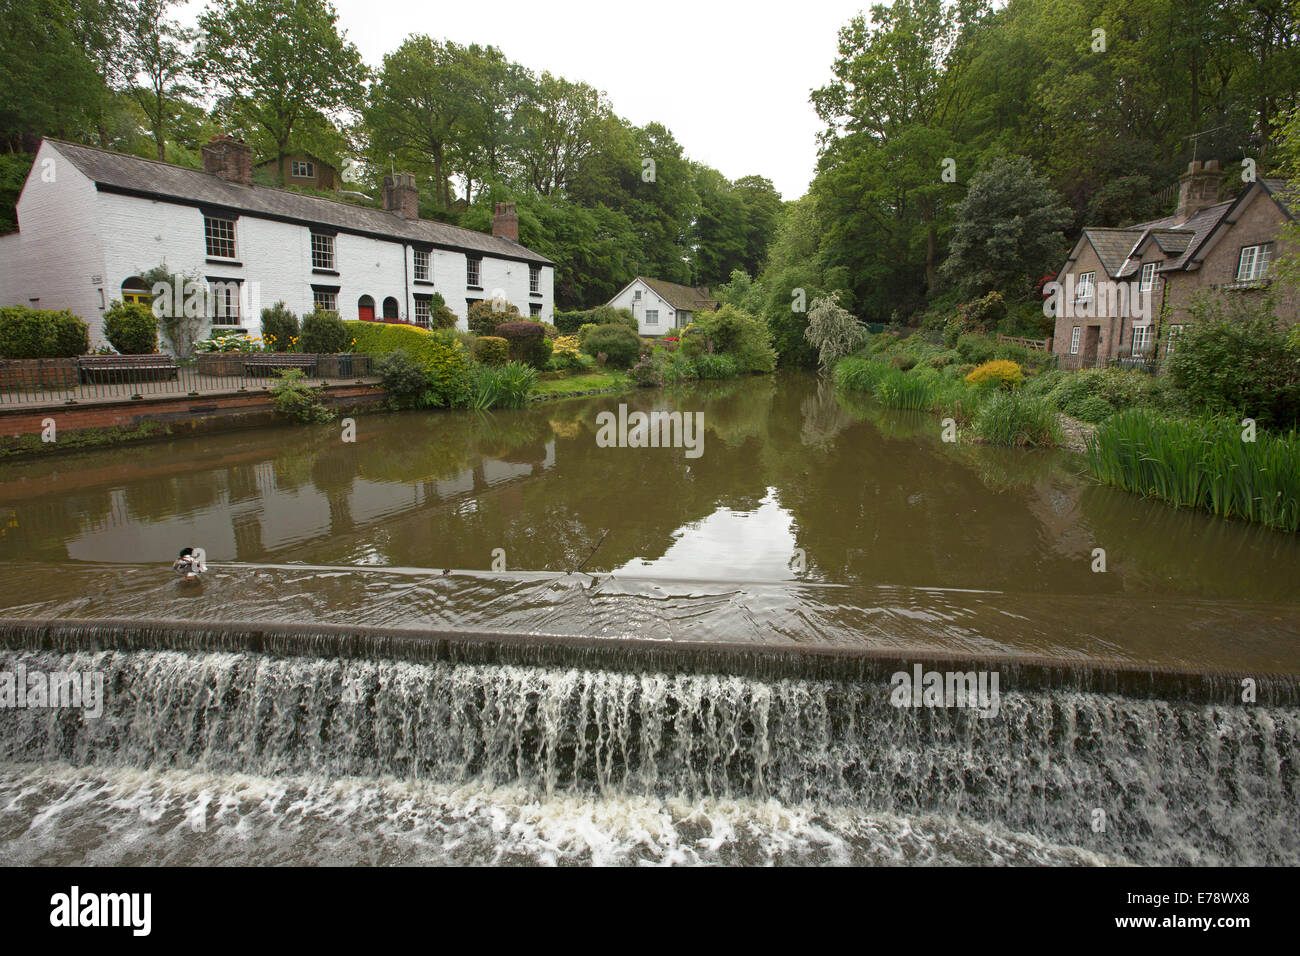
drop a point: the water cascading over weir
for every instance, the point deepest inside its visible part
(1175, 764)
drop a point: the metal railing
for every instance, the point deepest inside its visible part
(51, 382)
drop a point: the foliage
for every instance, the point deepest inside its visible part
(505, 386)
(294, 398)
(1000, 373)
(730, 331)
(1201, 464)
(443, 359)
(231, 342)
(491, 350)
(832, 331)
(439, 314)
(131, 328)
(528, 342)
(323, 333)
(620, 345)
(280, 328)
(35, 333)
(716, 365)
(976, 349)
(895, 388)
(1240, 363)
(485, 316)
(1010, 418)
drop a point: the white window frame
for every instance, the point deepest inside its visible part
(1086, 287)
(534, 309)
(651, 316)
(1253, 267)
(1148, 280)
(1171, 337)
(302, 169)
(474, 272)
(322, 251)
(223, 299)
(1074, 339)
(1141, 340)
(421, 263)
(219, 234)
(325, 301)
(423, 311)
(534, 278)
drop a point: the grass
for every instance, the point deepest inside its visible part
(506, 386)
(24, 445)
(602, 381)
(1201, 464)
(1008, 418)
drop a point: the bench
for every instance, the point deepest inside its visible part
(110, 369)
(270, 362)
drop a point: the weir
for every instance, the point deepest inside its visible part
(1149, 764)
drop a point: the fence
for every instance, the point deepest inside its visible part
(101, 379)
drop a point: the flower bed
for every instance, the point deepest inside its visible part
(38, 373)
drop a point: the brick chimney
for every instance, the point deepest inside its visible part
(401, 196)
(229, 159)
(505, 221)
(1198, 188)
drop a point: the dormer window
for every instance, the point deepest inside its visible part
(301, 169)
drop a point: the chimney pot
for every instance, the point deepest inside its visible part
(228, 158)
(505, 221)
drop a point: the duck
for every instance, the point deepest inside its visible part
(188, 565)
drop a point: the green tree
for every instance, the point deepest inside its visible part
(159, 68)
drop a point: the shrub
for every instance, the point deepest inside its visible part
(647, 371)
(491, 350)
(440, 354)
(403, 378)
(39, 333)
(440, 316)
(507, 386)
(1239, 364)
(1009, 418)
(896, 389)
(293, 397)
(733, 332)
(999, 373)
(1009, 350)
(323, 332)
(944, 359)
(903, 362)
(585, 330)
(985, 313)
(858, 375)
(528, 342)
(131, 328)
(976, 349)
(279, 328)
(1093, 408)
(621, 345)
(485, 316)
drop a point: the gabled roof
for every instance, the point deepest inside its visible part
(1112, 246)
(684, 297)
(132, 175)
(294, 154)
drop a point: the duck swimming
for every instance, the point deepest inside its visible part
(188, 565)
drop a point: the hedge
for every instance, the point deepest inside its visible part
(40, 333)
(443, 358)
(131, 328)
(491, 350)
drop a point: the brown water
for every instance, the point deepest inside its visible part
(808, 518)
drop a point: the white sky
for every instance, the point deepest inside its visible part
(729, 78)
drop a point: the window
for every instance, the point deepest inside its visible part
(1083, 291)
(473, 269)
(535, 279)
(1253, 263)
(322, 251)
(422, 312)
(303, 170)
(422, 265)
(636, 296)
(534, 308)
(1074, 340)
(325, 301)
(223, 302)
(651, 316)
(1148, 277)
(1141, 339)
(219, 235)
(1171, 337)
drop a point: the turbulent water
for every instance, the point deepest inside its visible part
(225, 757)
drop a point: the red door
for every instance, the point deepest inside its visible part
(367, 313)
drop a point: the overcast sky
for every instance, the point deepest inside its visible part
(730, 79)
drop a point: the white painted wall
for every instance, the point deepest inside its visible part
(649, 301)
(70, 232)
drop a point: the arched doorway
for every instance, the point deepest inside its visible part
(390, 309)
(366, 308)
(135, 292)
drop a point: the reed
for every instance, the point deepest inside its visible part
(898, 389)
(1203, 464)
(505, 386)
(1009, 418)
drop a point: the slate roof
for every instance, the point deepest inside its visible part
(1112, 246)
(148, 177)
(684, 297)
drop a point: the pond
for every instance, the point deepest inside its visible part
(808, 518)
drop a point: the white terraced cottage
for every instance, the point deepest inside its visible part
(92, 221)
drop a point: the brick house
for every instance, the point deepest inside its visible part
(1126, 294)
(304, 169)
